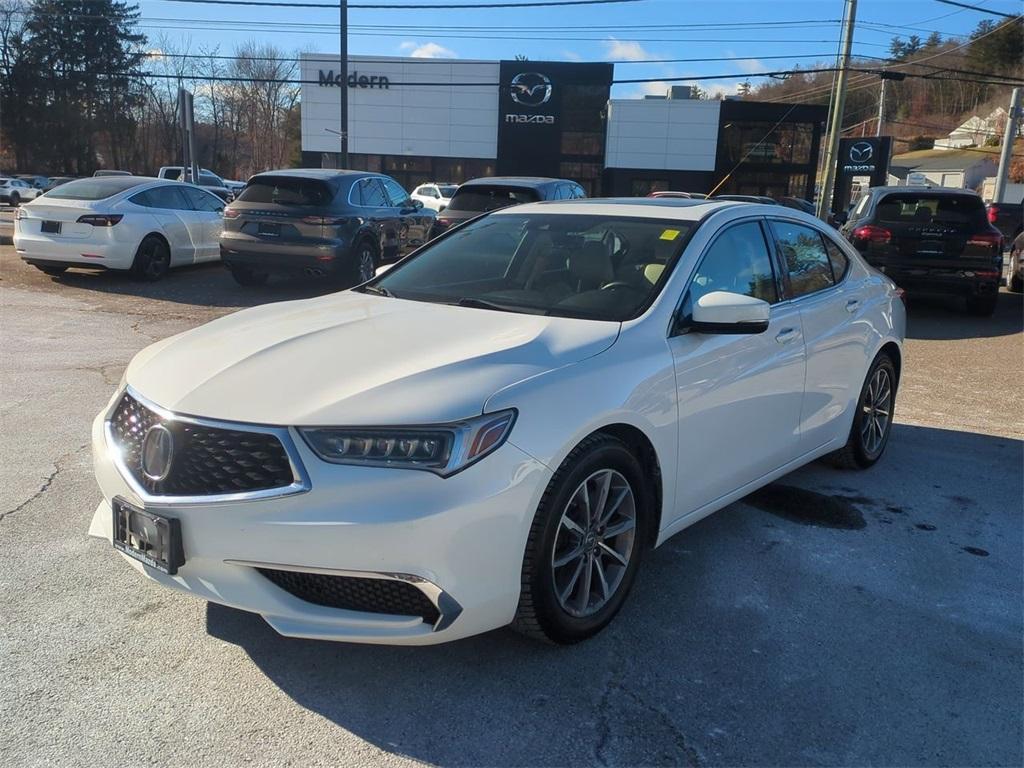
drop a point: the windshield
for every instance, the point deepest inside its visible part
(94, 188)
(286, 191)
(480, 199)
(569, 265)
(447, 190)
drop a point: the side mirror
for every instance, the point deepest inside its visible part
(724, 312)
(417, 204)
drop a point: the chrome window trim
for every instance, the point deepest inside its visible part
(300, 478)
(359, 181)
(448, 607)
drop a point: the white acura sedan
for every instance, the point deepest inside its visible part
(121, 223)
(497, 429)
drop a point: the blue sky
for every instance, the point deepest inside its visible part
(652, 29)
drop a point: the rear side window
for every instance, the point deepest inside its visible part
(837, 258)
(479, 198)
(98, 188)
(370, 193)
(285, 190)
(739, 262)
(807, 261)
(168, 198)
(952, 210)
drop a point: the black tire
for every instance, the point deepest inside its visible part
(858, 453)
(982, 306)
(364, 263)
(1015, 284)
(15, 200)
(248, 277)
(540, 613)
(152, 259)
(51, 269)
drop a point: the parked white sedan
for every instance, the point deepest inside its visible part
(120, 223)
(496, 430)
(434, 195)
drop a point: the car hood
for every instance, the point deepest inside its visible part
(356, 359)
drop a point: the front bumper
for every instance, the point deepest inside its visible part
(460, 540)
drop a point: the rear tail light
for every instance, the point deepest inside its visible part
(872, 234)
(230, 213)
(101, 220)
(993, 214)
(324, 221)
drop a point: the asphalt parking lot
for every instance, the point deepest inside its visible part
(836, 618)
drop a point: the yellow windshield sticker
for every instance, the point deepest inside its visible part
(670, 234)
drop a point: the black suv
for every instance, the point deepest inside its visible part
(930, 241)
(489, 194)
(321, 222)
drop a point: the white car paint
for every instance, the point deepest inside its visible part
(433, 196)
(725, 414)
(193, 235)
(19, 189)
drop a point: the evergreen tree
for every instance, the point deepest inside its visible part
(75, 84)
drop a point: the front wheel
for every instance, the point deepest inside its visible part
(585, 543)
(872, 421)
(1014, 282)
(15, 200)
(152, 259)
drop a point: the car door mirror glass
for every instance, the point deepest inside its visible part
(417, 204)
(733, 313)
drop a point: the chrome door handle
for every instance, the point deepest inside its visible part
(786, 335)
(852, 305)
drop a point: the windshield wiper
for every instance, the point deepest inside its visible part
(376, 290)
(484, 304)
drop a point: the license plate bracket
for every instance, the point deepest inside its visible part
(50, 227)
(270, 230)
(152, 539)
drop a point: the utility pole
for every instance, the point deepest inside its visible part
(343, 50)
(881, 109)
(829, 173)
(1012, 121)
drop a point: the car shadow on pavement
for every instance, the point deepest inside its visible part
(945, 319)
(768, 633)
(209, 285)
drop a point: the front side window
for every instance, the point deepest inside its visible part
(570, 265)
(738, 261)
(807, 262)
(202, 201)
(396, 193)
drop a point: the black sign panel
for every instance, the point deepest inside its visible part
(539, 101)
(860, 157)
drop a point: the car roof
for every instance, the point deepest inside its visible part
(316, 173)
(641, 207)
(531, 182)
(918, 190)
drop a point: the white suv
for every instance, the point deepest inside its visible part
(15, 191)
(435, 195)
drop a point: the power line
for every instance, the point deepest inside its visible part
(411, 6)
(977, 8)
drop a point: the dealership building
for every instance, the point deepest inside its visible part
(455, 119)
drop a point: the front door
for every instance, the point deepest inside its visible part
(739, 396)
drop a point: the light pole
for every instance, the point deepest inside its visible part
(343, 55)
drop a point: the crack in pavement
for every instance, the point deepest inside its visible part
(58, 467)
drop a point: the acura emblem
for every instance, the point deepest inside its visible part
(157, 453)
(861, 152)
(531, 89)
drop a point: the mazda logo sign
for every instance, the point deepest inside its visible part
(157, 453)
(531, 89)
(861, 152)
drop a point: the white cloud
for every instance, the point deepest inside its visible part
(571, 56)
(428, 50)
(625, 50)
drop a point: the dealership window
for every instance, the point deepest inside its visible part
(767, 143)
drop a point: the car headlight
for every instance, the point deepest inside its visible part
(440, 448)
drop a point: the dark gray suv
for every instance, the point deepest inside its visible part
(320, 222)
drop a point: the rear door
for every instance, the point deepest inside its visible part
(929, 230)
(831, 307)
(172, 211)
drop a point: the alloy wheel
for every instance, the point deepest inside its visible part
(876, 412)
(594, 542)
(366, 265)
